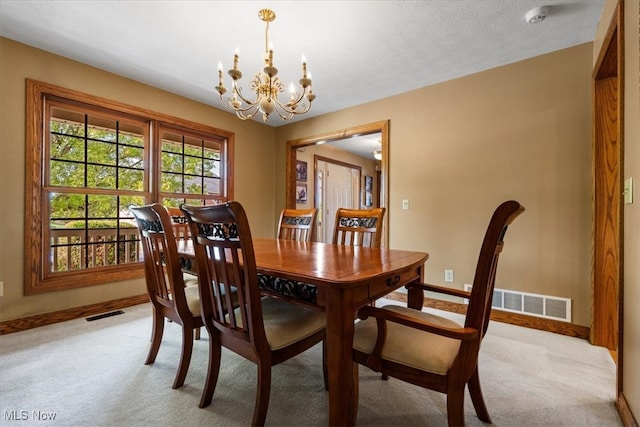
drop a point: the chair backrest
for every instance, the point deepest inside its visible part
(297, 224)
(179, 223)
(479, 310)
(226, 262)
(358, 227)
(165, 283)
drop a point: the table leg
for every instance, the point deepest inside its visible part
(342, 390)
(415, 296)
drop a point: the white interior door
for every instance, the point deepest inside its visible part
(339, 188)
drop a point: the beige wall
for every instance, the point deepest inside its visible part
(254, 164)
(631, 278)
(459, 148)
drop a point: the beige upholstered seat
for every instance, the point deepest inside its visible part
(265, 330)
(170, 291)
(431, 351)
(407, 346)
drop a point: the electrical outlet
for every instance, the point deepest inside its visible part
(448, 276)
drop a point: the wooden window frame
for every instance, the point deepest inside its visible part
(36, 227)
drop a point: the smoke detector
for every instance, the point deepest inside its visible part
(537, 14)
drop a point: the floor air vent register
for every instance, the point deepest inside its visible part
(546, 306)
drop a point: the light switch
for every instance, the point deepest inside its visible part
(405, 204)
(628, 191)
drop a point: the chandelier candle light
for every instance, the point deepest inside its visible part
(266, 86)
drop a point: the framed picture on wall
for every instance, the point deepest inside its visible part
(301, 192)
(368, 183)
(368, 199)
(301, 171)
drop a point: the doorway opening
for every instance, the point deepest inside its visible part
(342, 137)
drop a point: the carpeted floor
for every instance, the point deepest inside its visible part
(92, 374)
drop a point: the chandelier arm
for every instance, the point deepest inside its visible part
(238, 92)
(285, 107)
(227, 102)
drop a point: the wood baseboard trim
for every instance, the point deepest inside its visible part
(17, 325)
(532, 322)
(628, 420)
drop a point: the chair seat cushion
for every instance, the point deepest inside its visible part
(286, 323)
(409, 346)
(192, 296)
(189, 279)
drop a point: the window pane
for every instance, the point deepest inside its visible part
(102, 128)
(211, 186)
(193, 147)
(192, 185)
(211, 168)
(132, 157)
(102, 209)
(193, 165)
(67, 122)
(132, 139)
(67, 147)
(101, 153)
(125, 202)
(66, 174)
(101, 176)
(171, 142)
(131, 179)
(172, 162)
(65, 207)
(171, 183)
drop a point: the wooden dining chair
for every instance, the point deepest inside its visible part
(173, 294)
(179, 223)
(358, 227)
(429, 350)
(264, 330)
(297, 224)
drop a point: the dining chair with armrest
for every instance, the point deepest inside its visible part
(173, 294)
(429, 350)
(264, 330)
(358, 227)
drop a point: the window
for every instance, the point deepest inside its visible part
(88, 159)
(191, 168)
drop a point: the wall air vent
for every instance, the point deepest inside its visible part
(546, 306)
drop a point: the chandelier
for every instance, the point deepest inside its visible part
(266, 86)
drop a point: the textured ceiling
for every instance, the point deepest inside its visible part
(357, 51)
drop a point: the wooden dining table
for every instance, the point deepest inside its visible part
(348, 278)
